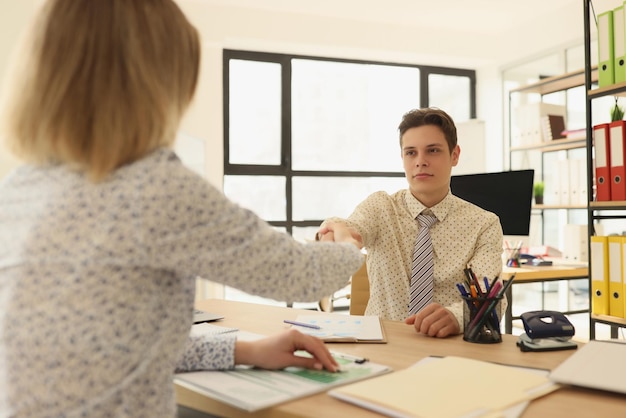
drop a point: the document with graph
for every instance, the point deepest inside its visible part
(343, 328)
(252, 389)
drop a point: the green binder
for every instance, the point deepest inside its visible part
(619, 44)
(606, 53)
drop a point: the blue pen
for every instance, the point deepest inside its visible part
(466, 296)
(462, 289)
(301, 324)
(486, 280)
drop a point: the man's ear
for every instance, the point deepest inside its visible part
(456, 152)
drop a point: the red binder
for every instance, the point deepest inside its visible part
(601, 141)
(617, 170)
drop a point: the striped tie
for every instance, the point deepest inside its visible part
(423, 266)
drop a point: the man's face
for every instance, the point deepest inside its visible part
(428, 163)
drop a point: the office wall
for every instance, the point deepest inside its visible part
(236, 28)
(224, 26)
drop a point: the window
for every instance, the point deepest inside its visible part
(306, 138)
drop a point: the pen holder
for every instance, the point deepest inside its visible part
(481, 321)
(512, 257)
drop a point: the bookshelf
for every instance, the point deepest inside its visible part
(604, 210)
(534, 154)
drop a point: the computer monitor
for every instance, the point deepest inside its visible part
(508, 194)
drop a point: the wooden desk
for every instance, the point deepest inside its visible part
(404, 348)
(532, 274)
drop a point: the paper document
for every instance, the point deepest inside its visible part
(598, 365)
(344, 328)
(205, 328)
(252, 389)
(480, 389)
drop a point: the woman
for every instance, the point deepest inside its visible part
(103, 231)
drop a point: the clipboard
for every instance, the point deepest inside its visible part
(338, 328)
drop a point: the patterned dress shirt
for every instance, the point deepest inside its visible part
(464, 235)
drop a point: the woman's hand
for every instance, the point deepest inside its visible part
(277, 352)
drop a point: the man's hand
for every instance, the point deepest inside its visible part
(435, 321)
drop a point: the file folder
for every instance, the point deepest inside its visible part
(619, 44)
(599, 275)
(606, 57)
(583, 196)
(616, 151)
(601, 141)
(616, 284)
(624, 275)
(564, 182)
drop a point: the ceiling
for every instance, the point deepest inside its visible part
(483, 28)
(490, 17)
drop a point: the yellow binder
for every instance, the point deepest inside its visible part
(624, 276)
(619, 44)
(599, 258)
(606, 73)
(616, 282)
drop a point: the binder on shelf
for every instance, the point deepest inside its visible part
(616, 159)
(528, 126)
(564, 182)
(599, 275)
(616, 284)
(606, 57)
(552, 126)
(583, 194)
(623, 260)
(619, 44)
(601, 143)
(576, 243)
(552, 192)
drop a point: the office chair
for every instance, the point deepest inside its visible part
(358, 296)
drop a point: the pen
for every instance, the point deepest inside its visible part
(484, 311)
(487, 287)
(506, 285)
(301, 324)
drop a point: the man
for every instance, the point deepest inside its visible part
(462, 234)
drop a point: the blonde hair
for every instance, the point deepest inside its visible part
(102, 83)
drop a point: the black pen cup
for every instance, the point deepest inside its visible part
(480, 319)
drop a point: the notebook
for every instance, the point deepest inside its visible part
(338, 328)
(204, 316)
(599, 364)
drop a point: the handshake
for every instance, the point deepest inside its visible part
(331, 231)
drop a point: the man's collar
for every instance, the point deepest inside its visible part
(440, 210)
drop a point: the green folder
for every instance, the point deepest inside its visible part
(619, 44)
(606, 53)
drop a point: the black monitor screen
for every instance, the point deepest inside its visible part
(508, 194)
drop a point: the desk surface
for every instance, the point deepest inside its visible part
(544, 273)
(404, 348)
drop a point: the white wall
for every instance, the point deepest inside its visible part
(224, 26)
(14, 16)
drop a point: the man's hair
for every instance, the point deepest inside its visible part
(101, 83)
(429, 116)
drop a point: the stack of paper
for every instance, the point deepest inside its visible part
(447, 388)
(597, 365)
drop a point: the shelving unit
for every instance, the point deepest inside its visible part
(546, 86)
(594, 208)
